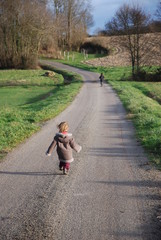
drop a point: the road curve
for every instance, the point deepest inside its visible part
(110, 193)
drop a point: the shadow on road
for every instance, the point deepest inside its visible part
(116, 152)
(150, 183)
(30, 173)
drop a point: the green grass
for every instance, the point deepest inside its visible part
(78, 60)
(25, 104)
(19, 95)
(26, 78)
(150, 89)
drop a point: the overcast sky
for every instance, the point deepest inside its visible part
(104, 10)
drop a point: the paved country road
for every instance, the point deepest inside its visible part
(111, 193)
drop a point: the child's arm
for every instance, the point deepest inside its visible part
(51, 148)
(75, 146)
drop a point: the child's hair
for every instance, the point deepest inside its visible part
(63, 127)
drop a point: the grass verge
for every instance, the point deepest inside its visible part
(28, 98)
(146, 115)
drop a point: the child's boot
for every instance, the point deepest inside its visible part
(65, 171)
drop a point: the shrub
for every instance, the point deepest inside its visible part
(93, 48)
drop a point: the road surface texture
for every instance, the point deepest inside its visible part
(111, 193)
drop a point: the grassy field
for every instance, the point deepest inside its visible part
(28, 98)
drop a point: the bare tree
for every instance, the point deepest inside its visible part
(22, 27)
(73, 17)
(158, 11)
(130, 22)
(156, 24)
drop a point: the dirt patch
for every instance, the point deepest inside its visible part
(119, 56)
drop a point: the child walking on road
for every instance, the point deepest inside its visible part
(101, 77)
(64, 142)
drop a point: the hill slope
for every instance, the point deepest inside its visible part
(119, 56)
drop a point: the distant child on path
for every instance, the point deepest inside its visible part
(65, 143)
(101, 77)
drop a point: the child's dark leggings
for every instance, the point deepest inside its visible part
(64, 165)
